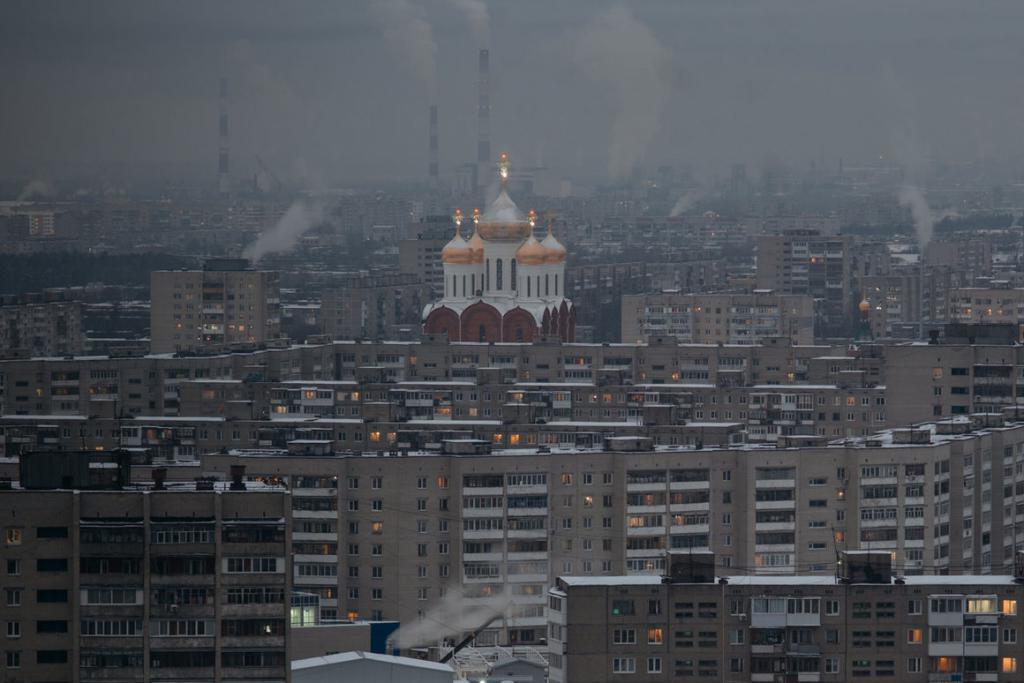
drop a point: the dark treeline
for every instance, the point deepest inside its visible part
(33, 272)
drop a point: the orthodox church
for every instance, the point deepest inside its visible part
(502, 284)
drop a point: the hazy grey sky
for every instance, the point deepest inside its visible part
(339, 89)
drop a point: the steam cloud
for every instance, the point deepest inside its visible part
(410, 37)
(479, 18)
(913, 197)
(623, 57)
(300, 217)
(450, 618)
(36, 189)
(684, 203)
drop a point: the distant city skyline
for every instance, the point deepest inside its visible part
(694, 84)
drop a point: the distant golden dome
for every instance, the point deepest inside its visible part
(864, 306)
(531, 253)
(476, 245)
(554, 250)
(503, 220)
(457, 251)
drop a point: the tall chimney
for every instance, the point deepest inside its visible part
(483, 145)
(433, 144)
(223, 163)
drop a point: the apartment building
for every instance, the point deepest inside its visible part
(411, 529)
(774, 393)
(375, 307)
(103, 580)
(987, 305)
(954, 379)
(864, 622)
(39, 325)
(742, 319)
(906, 302)
(222, 305)
(806, 262)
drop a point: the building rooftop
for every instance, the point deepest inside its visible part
(795, 580)
(345, 657)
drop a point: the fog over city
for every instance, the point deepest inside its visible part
(512, 341)
(336, 92)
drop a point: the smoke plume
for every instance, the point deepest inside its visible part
(36, 189)
(409, 36)
(479, 18)
(451, 617)
(684, 203)
(622, 56)
(913, 197)
(300, 217)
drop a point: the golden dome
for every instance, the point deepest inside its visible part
(476, 246)
(531, 253)
(554, 251)
(457, 251)
(503, 220)
(864, 306)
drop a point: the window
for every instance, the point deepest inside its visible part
(914, 665)
(914, 636)
(1009, 635)
(624, 636)
(13, 536)
(913, 606)
(655, 635)
(622, 608)
(831, 665)
(51, 656)
(13, 597)
(654, 665)
(624, 665)
(252, 565)
(736, 636)
(14, 629)
(736, 665)
(13, 567)
(1008, 665)
(1009, 607)
(52, 596)
(831, 607)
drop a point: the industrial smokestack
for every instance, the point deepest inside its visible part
(223, 163)
(432, 169)
(483, 145)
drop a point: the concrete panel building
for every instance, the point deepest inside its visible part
(225, 304)
(38, 325)
(741, 628)
(157, 582)
(718, 318)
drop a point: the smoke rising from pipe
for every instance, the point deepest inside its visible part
(912, 197)
(622, 56)
(451, 617)
(36, 189)
(684, 203)
(409, 36)
(479, 19)
(299, 218)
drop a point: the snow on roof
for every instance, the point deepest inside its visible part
(354, 656)
(793, 580)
